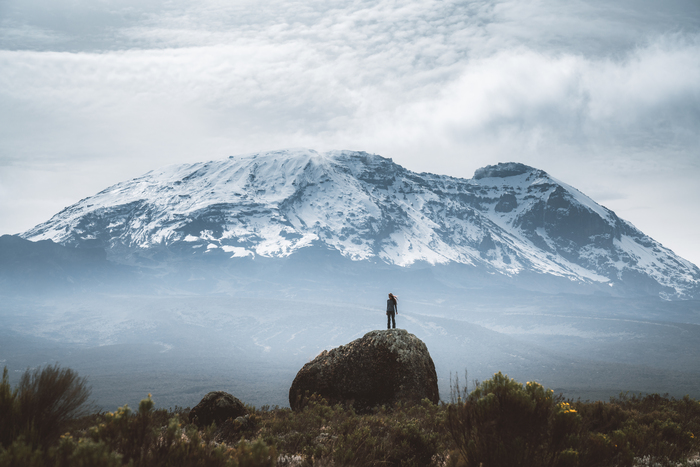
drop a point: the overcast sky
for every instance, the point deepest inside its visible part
(603, 95)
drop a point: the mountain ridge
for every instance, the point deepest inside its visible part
(509, 219)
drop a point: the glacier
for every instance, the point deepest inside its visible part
(509, 219)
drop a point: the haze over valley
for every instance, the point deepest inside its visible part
(231, 274)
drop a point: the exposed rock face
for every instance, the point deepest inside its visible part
(217, 406)
(381, 368)
(510, 219)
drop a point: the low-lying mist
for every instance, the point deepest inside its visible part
(179, 347)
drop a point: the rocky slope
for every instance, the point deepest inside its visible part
(510, 219)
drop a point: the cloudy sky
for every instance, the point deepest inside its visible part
(603, 95)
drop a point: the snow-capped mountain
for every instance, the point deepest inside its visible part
(509, 220)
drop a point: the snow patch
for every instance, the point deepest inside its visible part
(238, 252)
(364, 206)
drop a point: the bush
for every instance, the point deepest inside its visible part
(10, 422)
(626, 430)
(41, 406)
(322, 434)
(140, 440)
(503, 423)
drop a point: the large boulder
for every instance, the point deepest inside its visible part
(217, 406)
(381, 368)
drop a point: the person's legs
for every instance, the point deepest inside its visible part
(388, 321)
(393, 320)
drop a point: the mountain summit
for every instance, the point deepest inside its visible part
(509, 220)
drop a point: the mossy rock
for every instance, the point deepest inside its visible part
(381, 368)
(216, 407)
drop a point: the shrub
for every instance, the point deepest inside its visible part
(82, 453)
(10, 422)
(42, 405)
(630, 428)
(140, 440)
(503, 423)
(322, 434)
(20, 453)
(403, 436)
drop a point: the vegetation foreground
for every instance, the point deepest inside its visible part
(45, 422)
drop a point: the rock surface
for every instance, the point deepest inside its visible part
(217, 406)
(381, 368)
(510, 219)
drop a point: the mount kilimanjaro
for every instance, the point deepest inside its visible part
(510, 224)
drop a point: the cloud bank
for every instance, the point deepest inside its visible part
(605, 96)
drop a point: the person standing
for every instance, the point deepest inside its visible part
(391, 310)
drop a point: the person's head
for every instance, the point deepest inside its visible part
(392, 296)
